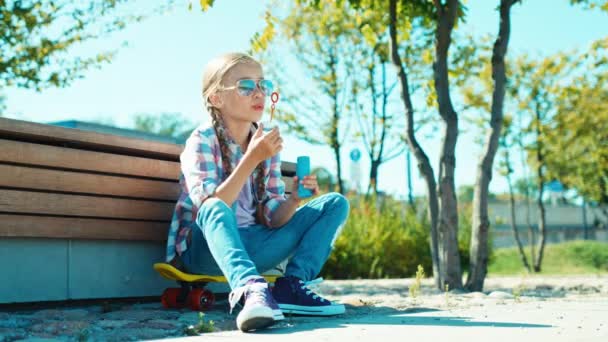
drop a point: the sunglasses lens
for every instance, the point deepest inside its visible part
(246, 87)
(267, 86)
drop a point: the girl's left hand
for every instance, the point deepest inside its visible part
(309, 182)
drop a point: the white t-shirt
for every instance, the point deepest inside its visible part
(245, 208)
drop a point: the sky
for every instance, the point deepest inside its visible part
(160, 67)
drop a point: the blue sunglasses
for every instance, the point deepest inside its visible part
(246, 86)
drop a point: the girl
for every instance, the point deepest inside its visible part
(233, 217)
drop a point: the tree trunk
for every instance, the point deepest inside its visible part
(585, 226)
(424, 165)
(539, 201)
(334, 135)
(449, 257)
(478, 252)
(524, 164)
(520, 247)
(373, 176)
(541, 223)
(410, 191)
(336, 150)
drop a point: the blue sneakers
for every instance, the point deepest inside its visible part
(294, 297)
(260, 309)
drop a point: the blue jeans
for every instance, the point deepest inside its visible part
(218, 246)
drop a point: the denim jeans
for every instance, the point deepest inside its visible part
(218, 246)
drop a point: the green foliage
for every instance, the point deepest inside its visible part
(386, 240)
(325, 179)
(592, 4)
(576, 257)
(36, 37)
(465, 193)
(593, 254)
(576, 140)
(465, 224)
(172, 125)
(201, 327)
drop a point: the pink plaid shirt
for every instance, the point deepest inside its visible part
(202, 172)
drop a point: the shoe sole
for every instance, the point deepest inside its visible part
(256, 323)
(278, 315)
(255, 318)
(311, 310)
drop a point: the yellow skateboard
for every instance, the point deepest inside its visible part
(192, 292)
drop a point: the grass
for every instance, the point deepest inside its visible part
(415, 288)
(201, 327)
(576, 257)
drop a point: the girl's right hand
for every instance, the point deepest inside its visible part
(264, 145)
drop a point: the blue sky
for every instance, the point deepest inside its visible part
(160, 71)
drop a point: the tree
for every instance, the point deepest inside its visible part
(478, 253)
(377, 126)
(36, 37)
(536, 85)
(442, 212)
(505, 168)
(442, 251)
(322, 45)
(447, 13)
(576, 140)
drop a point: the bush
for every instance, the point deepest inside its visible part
(575, 257)
(465, 225)
(381, 239)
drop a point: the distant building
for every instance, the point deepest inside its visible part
(125, 132)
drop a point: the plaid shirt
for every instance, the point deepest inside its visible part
(202, 172)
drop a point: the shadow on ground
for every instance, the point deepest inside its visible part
(387, 316)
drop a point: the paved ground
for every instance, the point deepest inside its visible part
(513, 309)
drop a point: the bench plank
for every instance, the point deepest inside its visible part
(48, 134)
(23, 177)
(27, 226)
(288, 184)
(17, 201)
(60, 157)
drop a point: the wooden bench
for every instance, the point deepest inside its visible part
(84, 214)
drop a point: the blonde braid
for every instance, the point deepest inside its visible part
(226, 153)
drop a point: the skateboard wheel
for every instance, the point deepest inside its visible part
(169, 298)
(201, 299)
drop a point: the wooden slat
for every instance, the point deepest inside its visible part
(288, 183)
(26, 202)
(85, 183)
(288, 168)
(34, 132)
(80, 228)
(43, 155)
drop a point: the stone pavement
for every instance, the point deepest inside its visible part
(514, 308)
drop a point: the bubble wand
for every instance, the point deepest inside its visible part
(274, 98)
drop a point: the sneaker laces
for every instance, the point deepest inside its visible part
(305, 285)
(256, 290)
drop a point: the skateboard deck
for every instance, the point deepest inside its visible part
(192, 292)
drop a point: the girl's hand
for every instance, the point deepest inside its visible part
(265, 145)
(309, 182)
